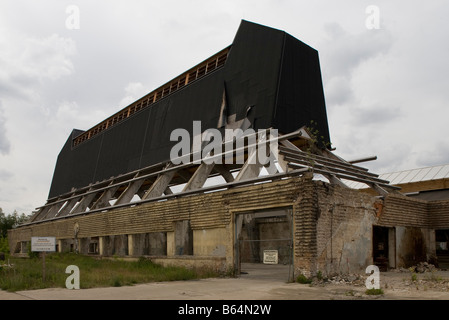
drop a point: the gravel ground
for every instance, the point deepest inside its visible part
(396, 285)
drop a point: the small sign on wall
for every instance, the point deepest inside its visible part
(43, 244)
(270, 256)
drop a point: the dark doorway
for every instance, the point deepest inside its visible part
(380, 247)
(442, 248)
(263, 243)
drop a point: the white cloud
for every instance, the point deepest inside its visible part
(342, 53)
(386, 90)
(5, 145)
(30, 67)
(133, 91)
(26, 62)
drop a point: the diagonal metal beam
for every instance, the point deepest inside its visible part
(251, 168)
(68, 207)
(39, 215)
(53, 211)
(334, 180)
(84, 203)
(103, 201)
(199, 177)
(130, 191)
(159, 186)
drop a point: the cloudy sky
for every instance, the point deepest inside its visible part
(386, 84)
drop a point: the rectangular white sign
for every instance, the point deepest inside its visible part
(41, 244)
(270, 256)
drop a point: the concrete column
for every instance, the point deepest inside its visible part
(130, 244)
(183, 238)
(101, 243)
(392, 247)
(170, 243)
(156, 243)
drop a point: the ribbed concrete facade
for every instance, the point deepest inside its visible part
(332, 227)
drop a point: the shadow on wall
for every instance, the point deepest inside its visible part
(411, 245)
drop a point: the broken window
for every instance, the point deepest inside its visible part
(93, 246)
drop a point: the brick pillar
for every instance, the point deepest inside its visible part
(305, 230)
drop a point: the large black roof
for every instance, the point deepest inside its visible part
(266, 76)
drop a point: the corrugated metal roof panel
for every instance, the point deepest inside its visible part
(443, 173)
(392, 176)
(407, 176)
(417, 175)
(399, 178)
(385, 176)
(420, 175)
(432, 173)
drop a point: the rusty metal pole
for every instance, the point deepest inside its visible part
(43, 265)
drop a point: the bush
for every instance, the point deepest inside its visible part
(374, 291)
(4, 246)
(303, 279)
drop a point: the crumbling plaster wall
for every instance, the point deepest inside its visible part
(414, 245)
(333, 229)
(344, 230)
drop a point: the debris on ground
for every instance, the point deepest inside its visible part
(422, 267)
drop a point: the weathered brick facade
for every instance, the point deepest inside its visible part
(332, 227)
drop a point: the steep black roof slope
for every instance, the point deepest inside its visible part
(269, 77)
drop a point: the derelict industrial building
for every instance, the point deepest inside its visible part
(115, 190)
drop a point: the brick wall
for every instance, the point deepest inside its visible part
(439, 214)
(344, 230)
(305, 214)
(332, 225)
(212, 211)
(400, 210)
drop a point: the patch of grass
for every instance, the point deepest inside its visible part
(374, 291)
(350, 293)
(303, 279)
(94, 272)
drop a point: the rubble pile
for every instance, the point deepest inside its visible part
(351, 279)
(422, 267)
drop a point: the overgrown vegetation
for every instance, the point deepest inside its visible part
(26, 273)
(7, 222)
(303, 279)
(374, 291)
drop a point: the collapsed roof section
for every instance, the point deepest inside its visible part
(265, 79)
(295, 154)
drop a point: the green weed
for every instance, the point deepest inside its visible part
(26, 273)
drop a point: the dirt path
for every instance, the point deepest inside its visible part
(396, 286)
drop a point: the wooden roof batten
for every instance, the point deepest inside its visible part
(297, 154)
